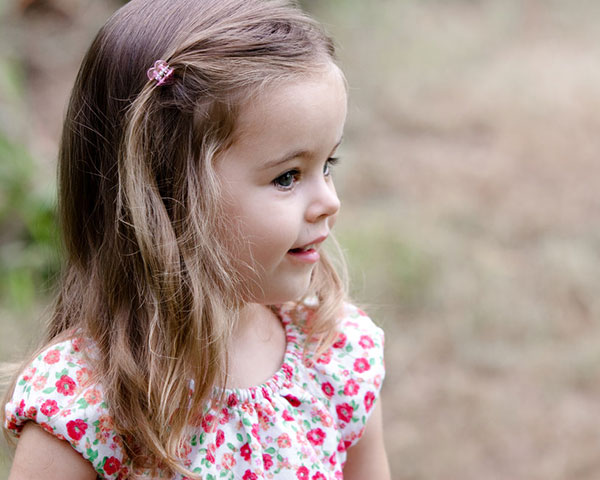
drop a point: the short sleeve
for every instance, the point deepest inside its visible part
(56, 392)
(351, 373)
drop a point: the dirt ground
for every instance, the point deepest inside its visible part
(471, 217)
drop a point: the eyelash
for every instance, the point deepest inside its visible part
(295, 174)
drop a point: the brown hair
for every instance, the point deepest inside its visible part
(146, 278)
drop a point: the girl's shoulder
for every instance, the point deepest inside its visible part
(58, 392)
(348, 376)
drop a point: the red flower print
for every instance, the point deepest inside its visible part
(361, 365)
(76, 429)
(65, 385)
(208, 423)
(52, 356)
(284, 441)
(366, 341)
(316, 436)
(369, 399)
(76, 342)
(341, 341)
(344, 412)
(210, 453)
(111, 465)
(246, 452)
(49, 408)
(248, 475)
(319, 476)
(220, 438)
(31, 413)
(29, 373)
(325, 358)
(21, 408)
(351, 387)
(224, 416)
(47, 427)
(286, 416)
(302, 473)
(232, 400)
(294, 402)
(267, 461)
(328, 389)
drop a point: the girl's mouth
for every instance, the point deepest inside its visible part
(307, 254)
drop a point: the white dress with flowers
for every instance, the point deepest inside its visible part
(297, 425)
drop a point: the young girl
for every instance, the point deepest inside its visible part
(200, 331)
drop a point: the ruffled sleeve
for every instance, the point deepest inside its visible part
(350, 374)
(57, 393)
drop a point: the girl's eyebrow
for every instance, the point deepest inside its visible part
(294, 154)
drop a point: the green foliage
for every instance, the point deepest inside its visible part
(28, 235)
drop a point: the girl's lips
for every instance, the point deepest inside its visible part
(305, 256)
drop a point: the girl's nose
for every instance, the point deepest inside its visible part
(324, 202)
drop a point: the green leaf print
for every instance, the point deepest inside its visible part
(82, 403)
(247, 422)
(49, 390)
(210, 476)
(307, 424)
(270, 450)
(349, 348)
(194, 441)
(91, 454)
(230, 446)
(239, 437)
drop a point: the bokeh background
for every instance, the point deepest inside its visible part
(470, 181)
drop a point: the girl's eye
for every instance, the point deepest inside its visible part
(287, 180)
(331, 162)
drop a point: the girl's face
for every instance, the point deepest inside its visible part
(277, 184)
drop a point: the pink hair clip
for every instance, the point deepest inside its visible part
(161, 72)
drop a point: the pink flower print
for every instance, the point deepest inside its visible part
(105, 424)
(228, 461)
(366, 342)
(52, 357)
(288, 371)
(47, 427)
(302, 473)
(248, 475)
(287, 417)
(294, 401)
(341, 341)
(83, 376)
(369, 399)
(92, 396)
(76, 429)
(328, 389)
(316, 436)
(49, 408)
(246, 452)
(29, 373)
(344, 412)
(224, 418)
(220, 438)
(267, 461)
(76, 343)
(319, 476)
(31, 413)
(377, 381)
(65, 385)
(248, 407)
(255, 431)
(284, 441)
(351, 387)
(39, 382)
(325, 358)
(111, 465)
(361, 365)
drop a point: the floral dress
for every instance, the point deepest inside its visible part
(297, 425)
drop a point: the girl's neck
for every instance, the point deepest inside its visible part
(257, 347)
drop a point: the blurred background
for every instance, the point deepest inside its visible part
(470, 182)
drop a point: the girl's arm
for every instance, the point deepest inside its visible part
(41, 455)
(367, 459)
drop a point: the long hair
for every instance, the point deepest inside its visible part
(146, 278)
